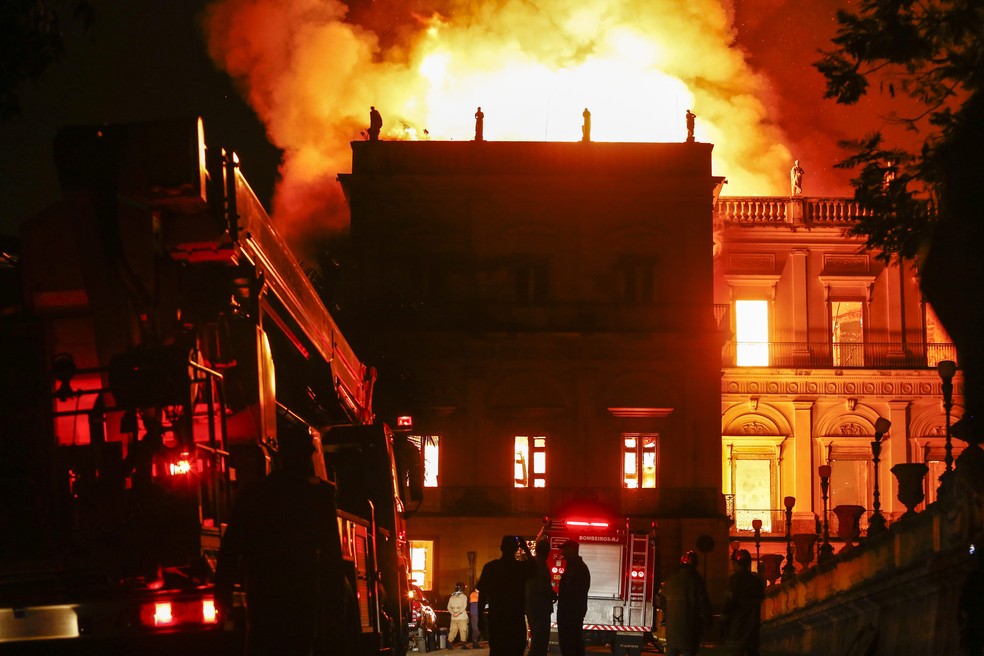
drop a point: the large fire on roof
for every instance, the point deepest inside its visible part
(311, 73)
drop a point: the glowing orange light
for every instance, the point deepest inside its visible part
(533, 67)
(209, 615)
(163, 614)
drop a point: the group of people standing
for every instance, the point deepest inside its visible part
(687, 609)
(518, 591)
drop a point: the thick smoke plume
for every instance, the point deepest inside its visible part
(311, 69)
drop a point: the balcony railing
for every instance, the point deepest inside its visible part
(774, 522)
(759, 210)
(837, 355)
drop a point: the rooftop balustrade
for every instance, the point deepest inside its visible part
(788, 210)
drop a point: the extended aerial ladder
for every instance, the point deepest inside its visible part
(181, 333)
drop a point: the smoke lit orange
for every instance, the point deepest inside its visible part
(311, 75)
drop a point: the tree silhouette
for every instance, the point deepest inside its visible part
(928, 56)
(31, 40)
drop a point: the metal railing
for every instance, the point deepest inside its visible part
(837, 355)
(774, 522)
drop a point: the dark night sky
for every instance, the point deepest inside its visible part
(135, 64)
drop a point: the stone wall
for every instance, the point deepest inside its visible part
(894, 594)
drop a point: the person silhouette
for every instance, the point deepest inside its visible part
(586, 127)
(741, 615)
(540, 597)
(686, 607)
(691, 119)
(572, 600)
(479, 125)
(502, 587)
(375, 123)
(282, 542)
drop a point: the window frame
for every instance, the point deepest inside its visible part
(427, 582)
(536, 445)
(755, 447)
(769, 318)
(858, 347)
(639, 451)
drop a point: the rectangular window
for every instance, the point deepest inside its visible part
(849, 482)
(531, 285)
(753, 493)
(430, 448)
(847, 333)
(530, 461)
(638, 283)
(639, 460)
(752, 333)
(422, 563)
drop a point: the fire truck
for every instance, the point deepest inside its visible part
(166, 336)
(622, 563)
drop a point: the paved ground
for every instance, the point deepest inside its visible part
(483, 650)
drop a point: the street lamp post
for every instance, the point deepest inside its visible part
(946, 370)
(826, 549)
(877, 523)
(789, 570)
(757, 527)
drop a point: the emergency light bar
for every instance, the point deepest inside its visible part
(575, 522)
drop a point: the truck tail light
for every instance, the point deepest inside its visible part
(170, 613)
(163, 615)
(209, 615)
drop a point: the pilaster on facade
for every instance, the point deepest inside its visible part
(800, 295)
(801, 463)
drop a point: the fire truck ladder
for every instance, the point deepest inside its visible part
(639, 575)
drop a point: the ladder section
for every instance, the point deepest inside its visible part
(640, 573)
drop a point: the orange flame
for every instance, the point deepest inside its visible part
(311, 74)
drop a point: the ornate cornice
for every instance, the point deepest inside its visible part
(810, 383)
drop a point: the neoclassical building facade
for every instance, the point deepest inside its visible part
(822, 338)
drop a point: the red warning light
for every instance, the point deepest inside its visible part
(406, 421)
(582, 522)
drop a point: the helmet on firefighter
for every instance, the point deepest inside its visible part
(689, 559)
(742, 557)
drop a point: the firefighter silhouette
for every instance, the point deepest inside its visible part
(282, 542)
(502, 586)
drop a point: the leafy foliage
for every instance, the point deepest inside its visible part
(930, 52)
(30, 41)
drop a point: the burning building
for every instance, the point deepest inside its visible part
(549, 315)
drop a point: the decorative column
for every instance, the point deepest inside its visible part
(757, 527)
(877, 523)
(800, 301)
(800, 461)
(789, 570)
(826, 549)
